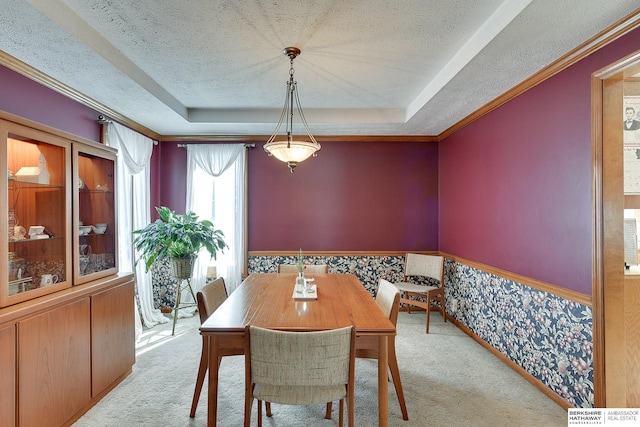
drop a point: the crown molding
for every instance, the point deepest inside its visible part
(257, 139)
(30, 72)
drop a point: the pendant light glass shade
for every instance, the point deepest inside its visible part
(292, 151)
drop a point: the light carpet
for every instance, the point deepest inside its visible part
(447, 377)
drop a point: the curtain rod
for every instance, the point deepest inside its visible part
(103, 120)
(246, 145)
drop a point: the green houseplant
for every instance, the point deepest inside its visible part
(177, 236)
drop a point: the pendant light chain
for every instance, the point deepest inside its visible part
(292, 88)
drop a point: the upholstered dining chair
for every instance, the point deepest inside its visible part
(388, 299)
(429, 266)
(308, 268)
(209, 298)
(319, 368)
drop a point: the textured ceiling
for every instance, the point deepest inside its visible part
(368, 67)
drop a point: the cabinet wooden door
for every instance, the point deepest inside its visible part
(55, 365)
(112, 335)
(8, 376)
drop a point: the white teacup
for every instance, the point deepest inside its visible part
(48, 279)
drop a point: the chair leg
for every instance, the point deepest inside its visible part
(341, 416)
(248, 403)
(259, 413)
(268, 408)
(327, 415)
(395, 374)
(202, 371)
(248, 393)
(428, 314)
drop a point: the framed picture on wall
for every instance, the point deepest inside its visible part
(631, 138)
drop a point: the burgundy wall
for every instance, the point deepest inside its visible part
(354, 196)
(516, 185)
(24, 98)
(168, 177)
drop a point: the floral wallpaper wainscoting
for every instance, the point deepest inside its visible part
(368, 268)
(548, 336)
(164, 285)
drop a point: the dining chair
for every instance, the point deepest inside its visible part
(427, 266)
(212, 273)
(388, 299)
(209, 298)
(308, 268)
(299, 368)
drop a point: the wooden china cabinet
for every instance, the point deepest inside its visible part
(66, 312)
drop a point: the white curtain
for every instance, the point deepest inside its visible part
(216, 191)
(133, 188)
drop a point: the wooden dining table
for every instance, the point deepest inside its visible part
(266, 300)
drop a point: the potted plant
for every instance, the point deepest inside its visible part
(179, 238)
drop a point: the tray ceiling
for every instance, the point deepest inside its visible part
(368, 67)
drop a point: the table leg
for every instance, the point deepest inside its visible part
(383, 381)
(212, 393)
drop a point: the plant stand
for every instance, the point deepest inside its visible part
(182, 270)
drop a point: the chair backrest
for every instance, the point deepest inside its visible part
(388, 299)
(284, 358)
(210, 297)
(308, 268)
(212, 272)
(424, 265)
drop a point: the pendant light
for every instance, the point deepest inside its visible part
(291, 150)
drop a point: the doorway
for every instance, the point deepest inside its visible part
(616, 290)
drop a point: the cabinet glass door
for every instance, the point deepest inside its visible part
(38, 215)
(95, 245)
